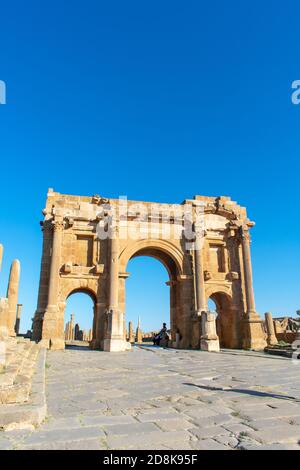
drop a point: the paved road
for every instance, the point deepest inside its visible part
(166, 399)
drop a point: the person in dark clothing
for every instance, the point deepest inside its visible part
(161, 335)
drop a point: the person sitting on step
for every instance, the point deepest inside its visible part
(162, 337)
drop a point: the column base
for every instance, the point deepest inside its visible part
(52, 343)
(37, 325)
(210, 345)
(272, 340)
(57, 343)
(254, 335)
(95, 344)
(44, 343)
(116, 345)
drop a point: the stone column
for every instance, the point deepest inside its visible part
(69, 331)
(251, 311)
(72, 326)
(131, 333)
(97, 327)
(18, 319)
(254, 337)
(47, 230)
(201, 304)
(271, 338)
(139, 336)
(51, 335)
(114, 340)
(66, 331)
(209, 338)
(12, 296)
(200, 298)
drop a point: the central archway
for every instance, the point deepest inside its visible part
(147, 295)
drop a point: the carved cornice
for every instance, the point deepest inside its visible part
(96, 199)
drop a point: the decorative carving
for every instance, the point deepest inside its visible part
(99, 269)
(69, 221)
(233, 276)
(207, 275)
(58, 225)
(96, 199)
(67, 267)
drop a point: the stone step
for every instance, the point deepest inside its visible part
(16, 352)
(31, 413)
(15, 380)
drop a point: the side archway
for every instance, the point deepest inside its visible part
(227, 321)
(80, 313)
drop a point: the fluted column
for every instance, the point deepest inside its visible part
(114, 272)
(201, 304)
(55, 264)
(114, 340)
(37, 325)
(51, 334)
(245, 236)
(12, 296)
(254, 336)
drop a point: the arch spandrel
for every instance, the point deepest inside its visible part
(211, 290)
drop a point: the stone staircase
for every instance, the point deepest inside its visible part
(22, 384)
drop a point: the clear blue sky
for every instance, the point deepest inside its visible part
(157, 100)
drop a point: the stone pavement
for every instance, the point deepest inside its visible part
(151, 398)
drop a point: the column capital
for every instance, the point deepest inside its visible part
(58, 225)
(244, 233)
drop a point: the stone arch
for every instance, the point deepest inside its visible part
(90, 292)
(227, 319)
(166, 252)
(82, 290)
(172, 259)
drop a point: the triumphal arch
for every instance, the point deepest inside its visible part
(203, 242)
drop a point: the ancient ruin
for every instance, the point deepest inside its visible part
(10, 310)
(74, 333)
(281, 329)
(76, 259)
(22, 364)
